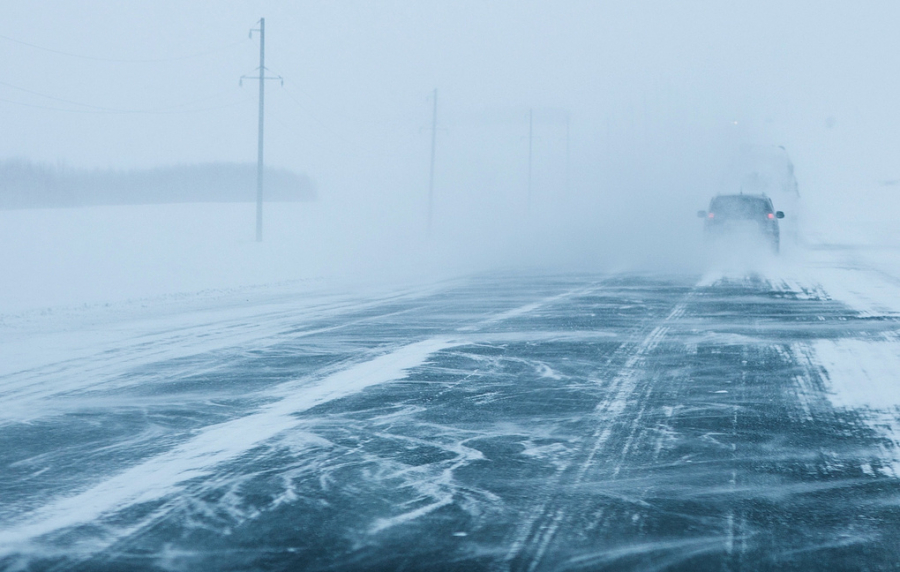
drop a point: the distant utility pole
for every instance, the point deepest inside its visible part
(262, 97)
(530, 139)
(567, 153)
(431, 173)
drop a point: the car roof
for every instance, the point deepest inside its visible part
(743, 196)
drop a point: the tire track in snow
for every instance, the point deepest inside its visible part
(535, 535)
(446, 493)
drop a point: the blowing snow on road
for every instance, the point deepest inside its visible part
(734, 420)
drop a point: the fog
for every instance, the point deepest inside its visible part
(641, 111)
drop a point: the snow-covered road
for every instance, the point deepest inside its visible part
(742, 419)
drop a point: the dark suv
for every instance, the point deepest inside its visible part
(732, 215)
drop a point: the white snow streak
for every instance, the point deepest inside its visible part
(865, 376)
(526, 309)
(861, 373)
(165, 474)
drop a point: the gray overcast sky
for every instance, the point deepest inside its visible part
(636, 77)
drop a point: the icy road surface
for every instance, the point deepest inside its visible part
(732, 421)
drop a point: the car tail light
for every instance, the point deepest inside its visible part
(771, 215)
(711, 215)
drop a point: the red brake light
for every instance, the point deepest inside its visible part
(711, 215)
(771, 215)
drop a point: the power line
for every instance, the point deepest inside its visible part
(186, 111)
(90, 108)
(306, 108)
(122, 60)
(346, 144)
(315, 118)
(54, 98)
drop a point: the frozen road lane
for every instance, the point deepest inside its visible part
(502, 423)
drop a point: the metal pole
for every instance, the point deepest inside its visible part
(530, 134)
(259, 158)
(567, 154)
(431, 174)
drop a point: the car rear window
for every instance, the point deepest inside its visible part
(739, 207)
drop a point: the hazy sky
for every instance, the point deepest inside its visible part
(656, 92)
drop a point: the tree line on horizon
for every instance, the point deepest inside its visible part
(26, 184)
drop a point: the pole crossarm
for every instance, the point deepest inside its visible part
(243, 77)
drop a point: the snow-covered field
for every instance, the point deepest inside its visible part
(99, 255)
